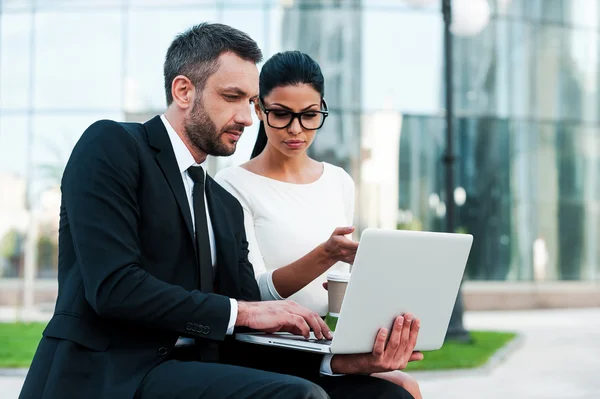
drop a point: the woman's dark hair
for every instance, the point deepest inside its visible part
(288, 68)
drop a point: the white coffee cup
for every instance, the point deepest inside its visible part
(337, 281)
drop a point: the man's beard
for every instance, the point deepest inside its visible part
(203, 134)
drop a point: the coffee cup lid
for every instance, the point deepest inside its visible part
(336, 275)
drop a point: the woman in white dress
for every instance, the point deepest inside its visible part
(298, 211)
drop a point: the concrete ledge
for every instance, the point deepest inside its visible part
(477, 295)
(11, 291)
(17, 372)
(504, 295)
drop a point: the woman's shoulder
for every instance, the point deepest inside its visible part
(234, 180)
(338, 173)
(241, 182)
(229, 174)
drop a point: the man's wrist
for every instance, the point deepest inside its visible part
(337, 365)
(346, 364)
(242, 314)
(326, 366)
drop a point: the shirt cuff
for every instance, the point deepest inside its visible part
(232, 316)
(326, 366)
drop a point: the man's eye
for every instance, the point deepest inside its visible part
(230, 97)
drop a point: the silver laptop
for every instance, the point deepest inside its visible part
(394, 272)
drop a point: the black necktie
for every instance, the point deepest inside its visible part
(202, 240)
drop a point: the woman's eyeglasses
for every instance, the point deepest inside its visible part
(281, 118)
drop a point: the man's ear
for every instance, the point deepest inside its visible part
(183, 91)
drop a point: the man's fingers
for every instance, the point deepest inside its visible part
(414, 329)
(296, 331)
(404, 339)
(324, 327)
(300, 324)
(396, 336)
(416, 356)
(311, 319)
(414, 334)
(319, 333)
(379, 346)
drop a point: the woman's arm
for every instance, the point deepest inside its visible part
(290, 279)
(287, 280)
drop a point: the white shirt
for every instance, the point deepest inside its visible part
(185, 160)
(285, 221)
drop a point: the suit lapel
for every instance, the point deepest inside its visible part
(158, 138)
(227, 277)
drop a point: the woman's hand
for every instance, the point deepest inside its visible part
(292, 278)
(340, 248)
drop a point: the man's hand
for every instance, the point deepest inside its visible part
(276, 316)
(393, 355)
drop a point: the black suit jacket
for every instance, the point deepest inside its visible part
(127, 271)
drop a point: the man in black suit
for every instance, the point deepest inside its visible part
(153, 269)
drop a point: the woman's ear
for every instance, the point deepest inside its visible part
(259, 113)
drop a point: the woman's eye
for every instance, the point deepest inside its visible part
(311, 115)
(281, 114)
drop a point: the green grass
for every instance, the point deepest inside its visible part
(454, 355)
(18, 342)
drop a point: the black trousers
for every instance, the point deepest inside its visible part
(182, 377)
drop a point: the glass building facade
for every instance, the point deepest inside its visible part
(527, 117)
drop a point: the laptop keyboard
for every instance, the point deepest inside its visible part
(312, 339)
(319, 341)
